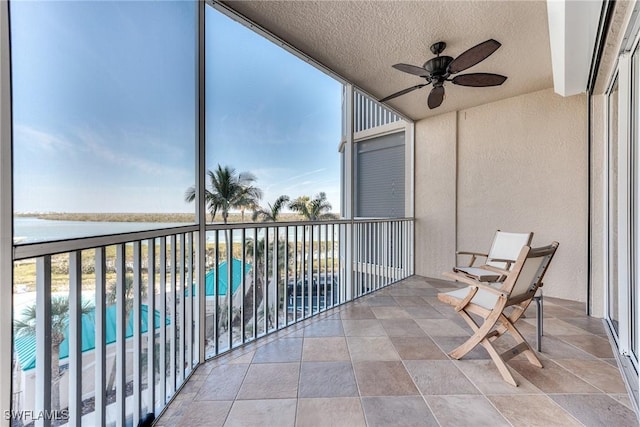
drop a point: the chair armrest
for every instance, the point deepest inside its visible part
(473, 283)
(474, 255)
(495, 269)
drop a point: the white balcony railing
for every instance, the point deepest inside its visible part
(117, 329)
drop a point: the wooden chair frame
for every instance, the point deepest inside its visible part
(491, 256)
(496, 321)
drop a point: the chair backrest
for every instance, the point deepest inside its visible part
(507, 246)
(528, 271)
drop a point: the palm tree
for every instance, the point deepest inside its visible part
(112, 298)
(59, 323)
(313, 209)
(228, 190)
(259, 264)
(271, 213)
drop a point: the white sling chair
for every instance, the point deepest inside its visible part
(489, 302)
(503, 252)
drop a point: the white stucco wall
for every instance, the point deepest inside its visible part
(435, 190)
(520, 164)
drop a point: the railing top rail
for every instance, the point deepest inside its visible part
(36, 249)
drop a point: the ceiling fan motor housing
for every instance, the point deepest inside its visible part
(437, 66)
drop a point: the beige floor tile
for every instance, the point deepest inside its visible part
(327, 379)
(592, 344)
(260, 413)
(363, 328)
(205, 413)
(456, 411)
(371, 348)
(533, 411)
(439, 377)
(325, 349)
(270, 381)
(245, 358)
(380, 301)
(281, 350)
(597, 373)
(423, 312)
(409, 301)
(402, 328)
(441, 328)
(383, 379)
(418, 348)
(223, 382)
(484, 375)
(552, 378)
(325, 328)
(335, 412)
(397, 411)
(390, 313)
(596, 409)
(357, 312)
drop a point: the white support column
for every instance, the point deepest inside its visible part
(347, 252)
(624, 218)
(6, 218)
(201, 210)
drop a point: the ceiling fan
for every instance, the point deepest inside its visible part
(438, 70)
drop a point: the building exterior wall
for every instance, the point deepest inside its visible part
(435, 194)
(518, 164)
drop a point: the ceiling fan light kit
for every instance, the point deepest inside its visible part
(436, 71)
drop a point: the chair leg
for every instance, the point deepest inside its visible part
(522, 345)
(499, 362)
(480, 333)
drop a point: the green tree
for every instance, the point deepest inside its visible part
(59, 323)
(228, 190)
(271, 213)
(314, 209)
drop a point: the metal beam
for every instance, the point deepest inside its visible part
(6, 217)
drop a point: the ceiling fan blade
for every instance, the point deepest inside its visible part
(402, 92)
(479, 79)
(471, 57)
(435, 97)
(411, 69)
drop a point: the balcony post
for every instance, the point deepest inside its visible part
(349, 191)
(201, 210)
(6, 219)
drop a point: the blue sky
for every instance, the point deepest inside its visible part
(104, 108)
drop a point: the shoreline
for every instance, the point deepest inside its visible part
(187, 218)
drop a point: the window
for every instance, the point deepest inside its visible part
(380, 176)
(104, 109)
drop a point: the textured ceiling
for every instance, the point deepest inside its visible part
(361, 40)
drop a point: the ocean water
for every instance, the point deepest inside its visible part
(29, 230)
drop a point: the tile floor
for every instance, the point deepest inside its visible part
(382, 361)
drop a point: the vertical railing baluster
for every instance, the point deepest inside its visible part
(255, 282)
(43, 337)
(216, 292)
(310, 270)
(326, 263)
(295, 274)
(242, 283)
(334, 278)
(180, 290)
(304, 296)
(174, 318)
(151, 325)
(121, 344)
(276, 266)
(286, 277)
(137, 344)
(189, 299)
(265, 299)
(229, 296)
(163, 322)
(75, 338)
(100, 353)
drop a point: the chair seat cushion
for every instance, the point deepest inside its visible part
(483, 298)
